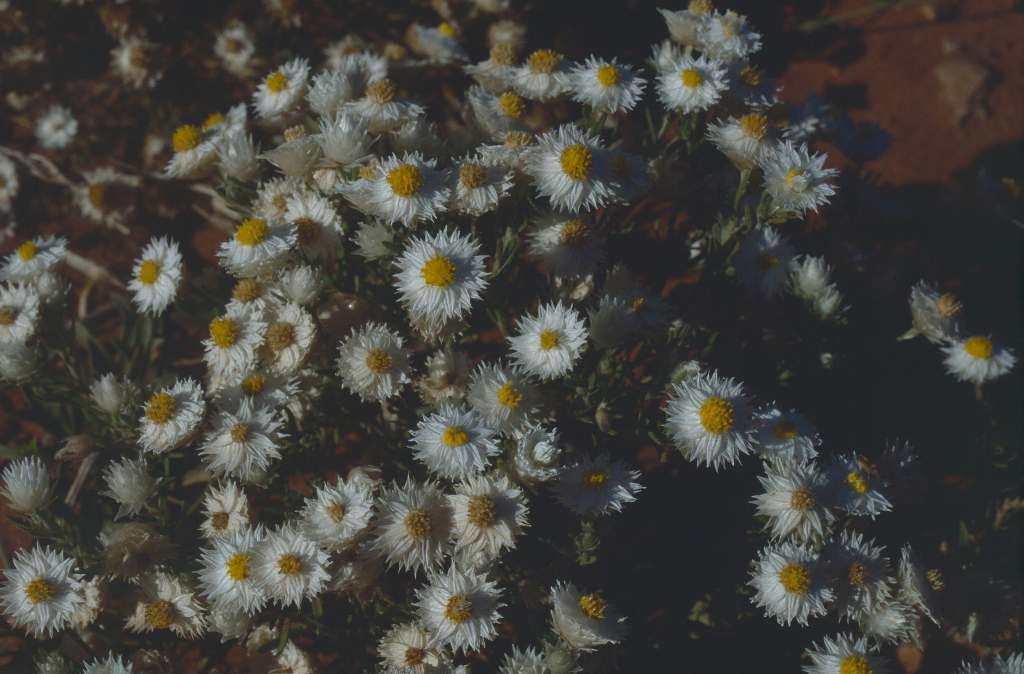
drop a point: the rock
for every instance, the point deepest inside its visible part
(963, 84)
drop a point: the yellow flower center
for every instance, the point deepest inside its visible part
(246, 290)
(857, 482)
(378, 361)
(473, 175)
(336, 512)
(577, 162)
(253, 385)
(160, 408)
(482, 510)
(855, 664)
(305, 231)
(438, 271)
(294, 133)
(574, 233)
(280, 336)
(549, 339)
(593, 606)
(502, 55)
(239, 433)
(8, 314)
(934, 579)
(512, 105)
(543, 61)
(213, 120)
(791, 181)
(700, 7)
(750, 76)
(509, 396)
(595, 478)
(98, 197)
(754, 125)
(449, 30)
(276, 82)
(223, 332)
(608, 75)
(517, 139)
(238, 566)
(765, 261)
(186, 138)
(160, 614)
(27, 250)
(691, 78)
(252, 232)
(454, 437)
(803, 499)
(419, 523)
(717, 415)
(795, 578)
(979, 347)
(857, 574)
(289, 564)
(38, 590)
(786, 429)
(381, 92)
(948, 306)
(405, 180)
(149, 272)
(368, 172)
(459, 609)
(219, 521)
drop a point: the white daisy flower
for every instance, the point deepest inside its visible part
(56, 128)
(406, 190)
(785, 436)
(257, 248)
(496, 114)
(107, 197)
(373, 363)
(301, 284)
(937, 316)
(440, 275)
(584, 621)
(858, 490)
(112, 396)
(407, 647)
(709, 420)
(227, 577)
(811, 278)
(796, 501)
(412, 526)
(253, 294)
(977, 360)
(112, 665)
(329, 92)
(845, 655)
(663, 54)
(727, 37)
(549, 344)
(19, 315)
(476, 187)
(565, 244)
(130, 484)
(544, 77)
(27, 484)
(227, 510)
(763, 260)
(489, 513)
(261, 388)
(137, 61)
(195, 153)
(157, 276)
(686, 25)
(288, 340)
(859, 575)
(571, 169)
(892, 621)
(504, 396)
(172, 417)
(272, 197)
(33, 258)
(796, 180)
(535, 458)
(344, 139)
(455, 443)
(610, 323)
(41, 592)
(447, 377)
(745, 141)
(527, 661)
(687, 84)
(243, 443)
(381, 109)
(459, 608)
(339, 515)
(790, 583)
(494, 74)
(917, 585)
(596, 486)
(235, 46)
(606, 87)
(234, 338)
(280, 93)
(166, 602)
(289, 567)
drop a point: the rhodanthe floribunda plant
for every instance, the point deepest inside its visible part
(406, 391)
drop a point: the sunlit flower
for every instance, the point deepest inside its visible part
(227, 577)
(709, 420)
(796, 501)
(606, 87)
(339, 515)
(488, 513)
(584, 621)
(845, 655)
(172, 417)
(407, 647)
(790, 583)
(549, 344)
(459, 608)
(258, 247)
(544, 77)
(33, 258)
(406, 190)
(381, 109)
(288, 566)
(281, 91)
(687, 84)
(373, 362)
(440, 275)
(797, 181)
(157, 276)
(41, 592)
(166, 602)
(455, 443)
(571, 169)
(243, 442)
(977, 360)
(504, 396)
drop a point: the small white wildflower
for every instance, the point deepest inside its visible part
(130, 484)
(549, 344)
(56, 128)
(26, 485)
(584, 621)
(373, 363)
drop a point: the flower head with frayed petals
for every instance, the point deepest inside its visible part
(339, 516)
(709, 420)
(549, 344)
(406, 190)
(258, 248)
(27, 485)
(790, 583)
(796, 180)
(796, 501)
(41, 592)
(243, 442)
(764, 259)
(505, 397)
(977, 360)
(454, 443)
(584, 621)
(440, 275)
(166, 602)
(688, 84)
(489, 513)
(157, 276)
(606, 87)
(33, 258)
(571, 169)
(172, 417)
(596, 486)
(289, 567)
(227, 575)
(845, 655)
(857, 487)
(281, 91)
(459, 608)
(413, 525)
(859, 573)
(373, 363)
